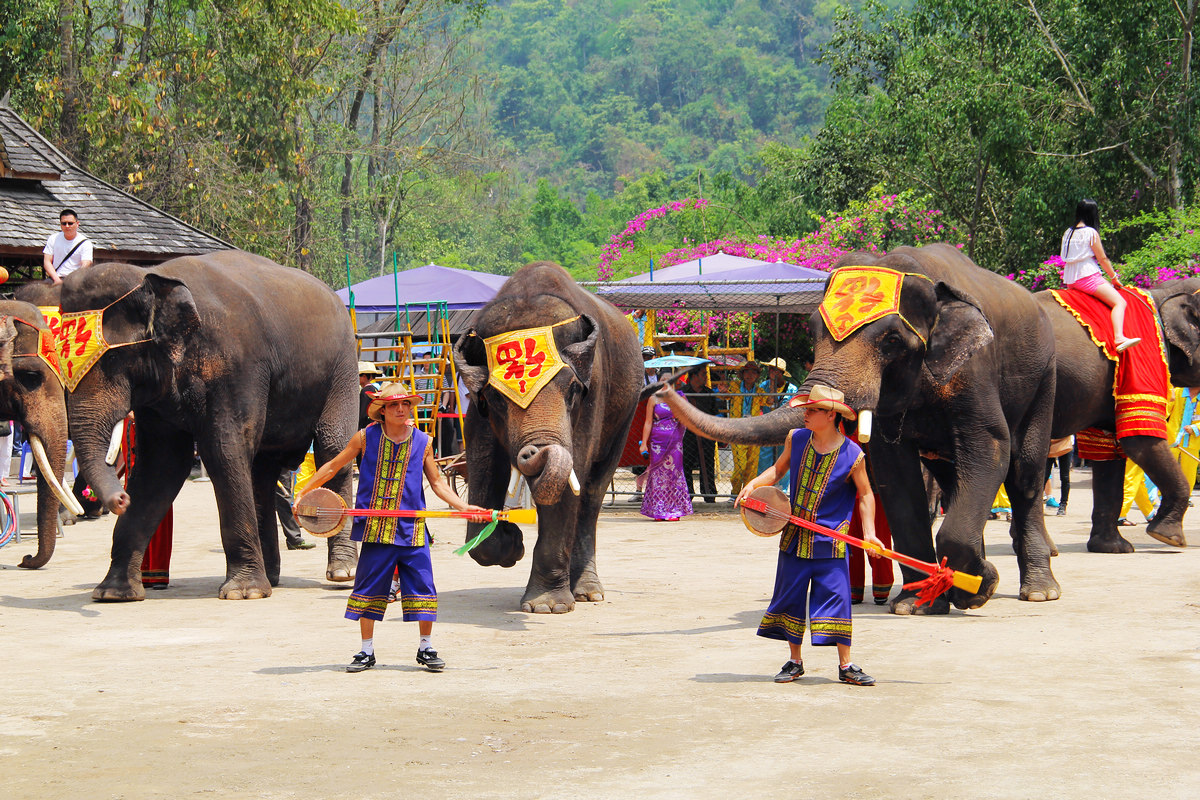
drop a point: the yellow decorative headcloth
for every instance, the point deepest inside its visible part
(860, 295)
(522, 362)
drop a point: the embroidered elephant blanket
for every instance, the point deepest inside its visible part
(1142, 385)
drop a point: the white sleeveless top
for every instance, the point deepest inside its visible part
(1076, 251)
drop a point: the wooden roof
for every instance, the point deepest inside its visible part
(37, 181)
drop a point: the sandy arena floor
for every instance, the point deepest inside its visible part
(660, 691)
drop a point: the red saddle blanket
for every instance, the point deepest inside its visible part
(1142, 386)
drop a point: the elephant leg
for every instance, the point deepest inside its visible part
(1155, 457)
(585, 580)
(229, 468)
(901, 490)
(1025, 481)
(960, 539)
(549, 587)
(1108, 478)
(334, 430)
(163, 463)
(488, 471)
(264, 474)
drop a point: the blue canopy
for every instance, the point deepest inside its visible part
(459, 289)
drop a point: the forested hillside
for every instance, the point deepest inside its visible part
(348, 136)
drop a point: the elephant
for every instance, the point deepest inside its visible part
(246, 361)
(565, 426)
(958, 372)
(31, 393)
(1085, 399)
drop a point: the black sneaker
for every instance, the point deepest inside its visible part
(854, 675)
(360, 662)
(303, 544)
(428, 658)
(791, 670)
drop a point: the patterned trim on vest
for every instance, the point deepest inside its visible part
(813, 478)
(391, 471)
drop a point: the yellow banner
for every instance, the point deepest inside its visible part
(859, 295)
(522, 362)
(80, 344)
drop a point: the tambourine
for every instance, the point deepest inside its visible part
(774, 519)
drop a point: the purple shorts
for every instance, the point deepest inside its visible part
(1089, 283)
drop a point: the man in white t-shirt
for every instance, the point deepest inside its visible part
(67, 250)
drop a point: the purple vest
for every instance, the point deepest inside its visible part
(389, 478)
(822, 492)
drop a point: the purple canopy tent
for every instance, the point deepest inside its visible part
(459, 289)
(696, 268)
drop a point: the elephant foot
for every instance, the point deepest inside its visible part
(589, 590)
(244, 589)
(114, 592)
(555, 601)
(905, 605)
(991, 579)
(339, 571)
(1040, 590)
(1168, 533)
(1112, 543)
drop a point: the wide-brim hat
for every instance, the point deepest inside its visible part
(388, 393)
(367, 368)
(780, 365)
(754, 365)
(821, 396)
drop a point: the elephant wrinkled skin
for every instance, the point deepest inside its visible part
(248, 361)
(975, 403)
(568, 439)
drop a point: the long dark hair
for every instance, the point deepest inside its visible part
(1087, 211)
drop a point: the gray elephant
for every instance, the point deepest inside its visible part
(248, 361)
(31, 393)
(1085, 400)
(554, 375)
(957, 365)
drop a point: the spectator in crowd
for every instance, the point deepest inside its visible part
(746, 399)
(700, 453)
(779, 390)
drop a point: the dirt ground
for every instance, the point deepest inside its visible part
(660, 691)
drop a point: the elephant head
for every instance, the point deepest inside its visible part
(884, 364)
(31, 393)
(535, 428)
(1179, 309)
(136, 321)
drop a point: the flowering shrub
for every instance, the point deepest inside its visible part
(1047, 275)
(623, 242)
(1170, 252)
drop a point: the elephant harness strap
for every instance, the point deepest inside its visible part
(81, 341)
(857, 296)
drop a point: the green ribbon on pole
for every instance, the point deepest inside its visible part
(483, 534)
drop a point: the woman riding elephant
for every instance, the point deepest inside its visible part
(957, 364)
(226, 353)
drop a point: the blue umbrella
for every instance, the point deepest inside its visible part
(674, 361)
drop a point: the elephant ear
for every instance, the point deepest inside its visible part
(470, 360)
(961, 329)
(173, 316)
(580, 355)
(1180, 314)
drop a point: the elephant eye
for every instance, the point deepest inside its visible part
(31, 380)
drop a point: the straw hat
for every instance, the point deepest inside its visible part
(779, 364)
(367, 368)
(822, 396)
(388, 393)
(754, 365)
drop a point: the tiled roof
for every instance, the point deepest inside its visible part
(115, 221)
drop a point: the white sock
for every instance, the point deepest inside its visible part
(426, 643)
(369, 646)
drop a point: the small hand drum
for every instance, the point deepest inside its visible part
(775, 518)
(320, 512)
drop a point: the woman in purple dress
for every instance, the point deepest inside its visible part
(666, 496)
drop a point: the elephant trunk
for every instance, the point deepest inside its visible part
(860, 394)
(769, 428)
(91, 431)
(50, 492)
(549, 469)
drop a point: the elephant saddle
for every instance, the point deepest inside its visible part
(1142, 384)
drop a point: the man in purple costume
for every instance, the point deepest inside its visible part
(394, 457)
(828, 476)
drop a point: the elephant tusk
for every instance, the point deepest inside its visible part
(864, 425)
(512, 482)
(114, 444)
(573, 480)
(48, 472)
